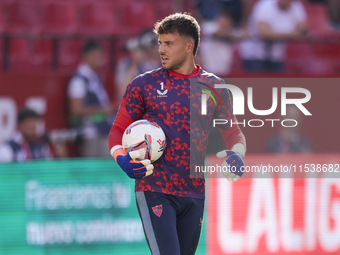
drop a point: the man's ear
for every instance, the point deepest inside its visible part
(190, 46)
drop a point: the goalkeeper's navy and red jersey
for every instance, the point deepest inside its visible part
(172, 101)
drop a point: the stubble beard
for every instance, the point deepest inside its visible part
(176, 64)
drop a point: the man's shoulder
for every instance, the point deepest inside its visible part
(268, 3)
(148, 76)
(211, 77)
(77, 79)
(298, 8)
(265, 5)
(152, 74)
(6, 153)
(10, 147)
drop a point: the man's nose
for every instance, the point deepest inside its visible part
(161, 49)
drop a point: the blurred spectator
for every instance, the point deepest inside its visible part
(271, 23)
(216, 47)
(89, 103)
(334, 13)
(289, 139)
(333, 7)
(247, 6)
(144, 57)
(26, 144)
(210, 9)
(184, 6)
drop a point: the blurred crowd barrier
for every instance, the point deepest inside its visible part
(88, 206)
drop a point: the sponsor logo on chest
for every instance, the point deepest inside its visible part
(162, 92)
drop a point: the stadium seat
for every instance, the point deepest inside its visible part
(138, 15)
(97, 18)
(42, 55)
(329, 54)
(298, 56)
(20, 55)
(237, 63)
(106, 48)
(60, 18)
(69, 55)
(302, 59)
(317, 18)
(30, 55)
(2, 24)
(319, 66)
(164, 8)
(1, 54)
(327, 50)
(22, 16)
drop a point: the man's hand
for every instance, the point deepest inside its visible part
(134, 169)
(234, 164)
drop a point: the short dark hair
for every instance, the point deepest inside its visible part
(26, 113)
(181, 23)
(90, 46)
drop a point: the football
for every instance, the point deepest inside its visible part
(146, 137)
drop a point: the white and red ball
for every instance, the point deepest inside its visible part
(146, 137)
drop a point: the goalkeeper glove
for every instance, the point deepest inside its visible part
(134, 169)
(234, 162)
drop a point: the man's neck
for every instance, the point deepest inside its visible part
(281, 7)
(187, 68)
(90, 67)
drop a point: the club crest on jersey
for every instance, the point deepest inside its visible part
(162, 92)
(158, 209)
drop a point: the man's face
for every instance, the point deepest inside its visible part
(28, 128)
(172, 50)
(285, 4)
(95, 59)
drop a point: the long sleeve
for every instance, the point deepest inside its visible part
(131, 109)
(232, 134)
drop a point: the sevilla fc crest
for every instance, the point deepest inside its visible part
(158, 209)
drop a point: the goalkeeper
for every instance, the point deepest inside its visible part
(170, 201)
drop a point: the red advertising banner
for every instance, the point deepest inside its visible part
(285, 214)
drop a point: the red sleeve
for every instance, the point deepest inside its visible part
(233, 135)
(122, 121)
(130, 110)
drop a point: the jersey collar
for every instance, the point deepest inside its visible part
(194, 73)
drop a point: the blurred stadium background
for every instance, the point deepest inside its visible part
(74, 205)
